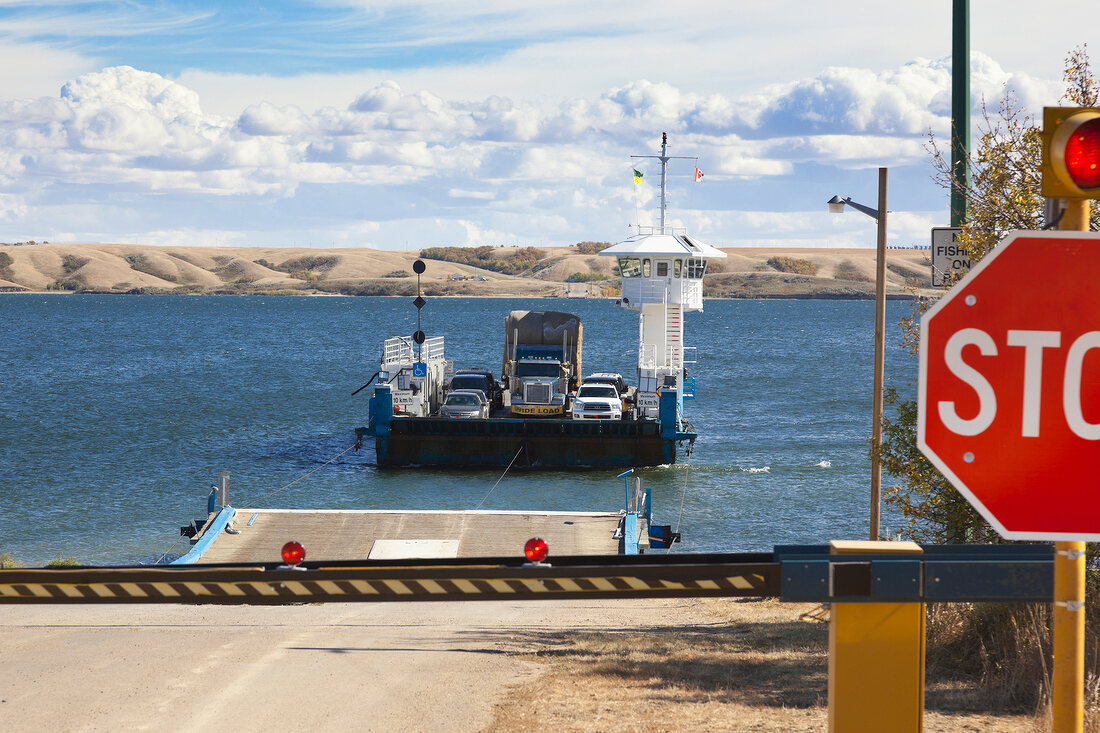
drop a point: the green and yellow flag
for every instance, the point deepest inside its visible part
(637, 176)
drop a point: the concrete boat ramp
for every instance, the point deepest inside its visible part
(233, 535)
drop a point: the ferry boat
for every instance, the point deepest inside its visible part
(662, 271)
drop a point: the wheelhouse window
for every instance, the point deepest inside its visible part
(695, 268)
(676, 266)
(662, 269)
(645, 267)
(630, 266)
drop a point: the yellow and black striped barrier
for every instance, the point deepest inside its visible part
(343, 582)
(792, 572)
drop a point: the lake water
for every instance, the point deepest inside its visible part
(118, 412)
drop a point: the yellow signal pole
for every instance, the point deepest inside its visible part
(1068, 698)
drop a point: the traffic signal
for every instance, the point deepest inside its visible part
(1071, 152)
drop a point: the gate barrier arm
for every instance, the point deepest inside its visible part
(791, 572)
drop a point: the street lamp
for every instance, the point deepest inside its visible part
(836, 206)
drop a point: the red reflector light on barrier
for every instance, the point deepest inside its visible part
(536, 549)
(293, 553)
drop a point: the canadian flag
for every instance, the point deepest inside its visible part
(698, 175)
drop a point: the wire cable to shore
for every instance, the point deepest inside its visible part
(276, 491)
(680, 515)
(502, 475)
(287, 486)
(166, 552)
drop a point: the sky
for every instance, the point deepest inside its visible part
(402, 124)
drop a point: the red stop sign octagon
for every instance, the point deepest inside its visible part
(1009, 402)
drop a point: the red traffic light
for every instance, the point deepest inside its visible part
(1082, 154)
(536, 549)
(1071, 152)
(293, 553)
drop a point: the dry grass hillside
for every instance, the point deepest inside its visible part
(557, 271)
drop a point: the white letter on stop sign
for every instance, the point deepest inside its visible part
(1033, 342)
(1071, 387)
(987, 401)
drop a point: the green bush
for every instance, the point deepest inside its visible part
(5, 266)
(847, 270)
(397, 273)
(69, 284)
(516, 261)
(72, 263)
(324, 263)
(587, 277)
(370, 287)
(591, 248)
(793, 265)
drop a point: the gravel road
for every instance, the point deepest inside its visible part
(362, 667)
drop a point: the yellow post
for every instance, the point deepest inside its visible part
(1068, 693)
(1076, 217)
(876, 657)
(1069, 637)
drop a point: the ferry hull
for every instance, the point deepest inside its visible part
(522, 443)
(499, 442)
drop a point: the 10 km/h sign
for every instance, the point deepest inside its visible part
(1009, 403)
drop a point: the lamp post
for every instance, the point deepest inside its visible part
(836, 206)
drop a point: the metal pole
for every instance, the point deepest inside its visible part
(1068, 701)
(960, 109)
(223, 488)
(880, 354)
(664, 165)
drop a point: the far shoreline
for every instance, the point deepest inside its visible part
(554, 272)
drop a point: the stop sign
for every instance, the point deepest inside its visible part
(1009, 400)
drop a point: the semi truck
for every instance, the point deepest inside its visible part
(542, 362)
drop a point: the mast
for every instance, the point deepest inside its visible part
(664, 157)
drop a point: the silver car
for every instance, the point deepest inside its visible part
(467, 403)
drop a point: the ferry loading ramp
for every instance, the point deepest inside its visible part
(258, 535)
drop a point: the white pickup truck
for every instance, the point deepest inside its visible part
(597, 401)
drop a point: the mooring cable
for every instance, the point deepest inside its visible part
(276, 491)
(287, 486)
(161, 558)
(521, 446)
(682, 496)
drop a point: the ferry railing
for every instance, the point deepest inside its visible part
(651, 290)
(689, 388)
(691, 293)
(650, 229)
(400, 350)
(432, 348)
(397, 350)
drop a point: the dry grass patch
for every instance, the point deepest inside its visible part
(756, 667)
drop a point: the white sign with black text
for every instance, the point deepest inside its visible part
(949, 260)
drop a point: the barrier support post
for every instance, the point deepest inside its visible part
(876, 656)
